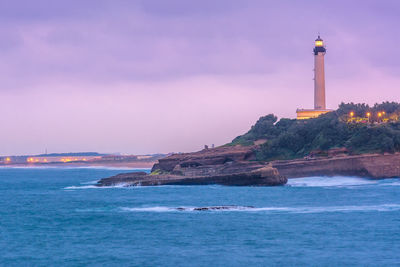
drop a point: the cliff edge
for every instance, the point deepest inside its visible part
(224, 166)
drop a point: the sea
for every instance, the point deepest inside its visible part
(57, 217)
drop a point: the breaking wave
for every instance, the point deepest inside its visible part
(81, 187)
(390, 182)
(90, 182)
(363, 208)
(338, 181)
(91, 186)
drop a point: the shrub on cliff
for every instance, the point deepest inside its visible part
(263, 129)
(289, 138)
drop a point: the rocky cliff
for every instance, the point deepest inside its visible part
(224, 165)
(233, 166)
(213, 156)
(376, 166)
(264, 176)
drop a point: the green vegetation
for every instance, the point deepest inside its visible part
(156, 172)
(343, 128)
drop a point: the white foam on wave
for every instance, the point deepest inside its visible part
(149, 209)
(325, 209)
(91, 186)
(186, 208)
(362, 208)
(336, 181)
(82, 187)
(390, 182)
(90, 182)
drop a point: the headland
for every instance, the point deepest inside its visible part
(354, 140)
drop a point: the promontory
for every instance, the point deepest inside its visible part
(354, 140)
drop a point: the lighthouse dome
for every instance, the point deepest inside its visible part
(319, 46)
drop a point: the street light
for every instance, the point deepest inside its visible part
(351, 114)
(379, 116)
(368, 115)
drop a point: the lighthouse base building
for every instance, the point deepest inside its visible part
(319, 84)
(303, 114)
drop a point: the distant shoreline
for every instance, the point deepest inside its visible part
(146, 165)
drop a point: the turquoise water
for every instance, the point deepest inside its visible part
(52, 217)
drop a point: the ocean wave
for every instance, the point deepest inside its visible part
(337, 181)
(82, 187)
(390, 182)
(91, 186)
(149, 209)
(90, 182)
(325, 209)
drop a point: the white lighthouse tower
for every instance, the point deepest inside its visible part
(319, 84)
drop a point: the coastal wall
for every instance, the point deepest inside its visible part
(368, 165)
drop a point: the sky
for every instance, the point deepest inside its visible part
(159, 76)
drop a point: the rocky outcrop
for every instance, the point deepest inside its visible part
(375, 166)
(223, 165)
(232, 166)
(215, 208)
(250, 175)
(206, 157)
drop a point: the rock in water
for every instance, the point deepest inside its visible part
(216, 208)
(261, 176)
(224, 166)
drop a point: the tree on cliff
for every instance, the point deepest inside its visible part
(289, 139)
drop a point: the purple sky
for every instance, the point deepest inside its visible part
(172, 75)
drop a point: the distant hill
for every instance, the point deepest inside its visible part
(359, 128)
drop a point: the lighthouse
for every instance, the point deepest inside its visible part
(319, 84)
(319, 75)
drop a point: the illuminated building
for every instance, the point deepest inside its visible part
(319, 84)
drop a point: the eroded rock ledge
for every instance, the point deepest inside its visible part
(375, 166)
(261, 176)
(224, 166)
(235, 166)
